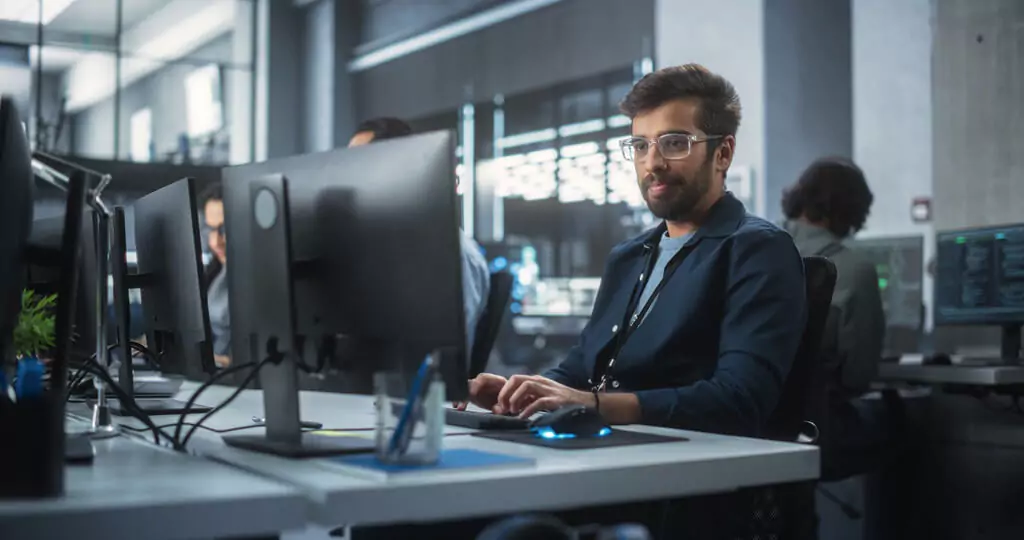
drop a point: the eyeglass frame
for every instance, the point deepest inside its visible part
(207, 230)
(693, 139)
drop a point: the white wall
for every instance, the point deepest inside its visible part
(727, 37)
(892, 114)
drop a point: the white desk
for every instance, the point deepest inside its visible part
(136, 490)
(560, 479)
(967, 375)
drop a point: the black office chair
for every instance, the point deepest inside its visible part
(802, 398)
(490, 321)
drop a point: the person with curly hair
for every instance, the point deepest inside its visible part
(828, 205)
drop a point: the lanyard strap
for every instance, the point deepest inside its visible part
(632, 318)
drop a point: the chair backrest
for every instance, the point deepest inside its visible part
(786, 422)
(490, 321)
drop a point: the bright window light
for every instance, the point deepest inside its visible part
(203, 101)
(27, 11)
(141, 135)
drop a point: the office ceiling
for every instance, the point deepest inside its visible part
(99, 17)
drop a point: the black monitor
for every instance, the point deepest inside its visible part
(169, 276)
(16, 187)
(899, 263)
(44, 272)
(363, 244)
(979, 280)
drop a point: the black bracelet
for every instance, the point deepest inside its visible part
(597, 400)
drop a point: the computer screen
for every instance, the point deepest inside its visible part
(980, 276)
(899, 262)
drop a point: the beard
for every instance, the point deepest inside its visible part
(681, 196)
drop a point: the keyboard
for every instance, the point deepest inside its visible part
(484, 420)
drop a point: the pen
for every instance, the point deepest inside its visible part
(413, 407)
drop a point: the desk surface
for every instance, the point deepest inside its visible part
(968, 375)
(136, 490)
(559, 479)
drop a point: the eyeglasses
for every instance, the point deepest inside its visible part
(671, 145)
(207, 230)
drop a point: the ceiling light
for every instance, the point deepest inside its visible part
(27, 11)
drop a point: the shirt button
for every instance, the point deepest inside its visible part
(615, 384)
(615, 328)
(611, 362)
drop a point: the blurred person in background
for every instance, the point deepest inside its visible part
(828, 204)
(476, 278)
(215, 274)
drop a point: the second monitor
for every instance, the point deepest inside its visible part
(980, 281)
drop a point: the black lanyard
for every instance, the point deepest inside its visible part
(633, 318)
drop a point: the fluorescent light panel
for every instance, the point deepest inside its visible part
(448, 32)
(27, 11)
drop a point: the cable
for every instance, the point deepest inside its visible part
(207, 428)
(252, 375)
(127, 402)
(202, 388)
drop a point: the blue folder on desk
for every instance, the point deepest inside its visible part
(456, 458)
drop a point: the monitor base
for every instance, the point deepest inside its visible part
(981, 361)
(310, 445)
(158, 406)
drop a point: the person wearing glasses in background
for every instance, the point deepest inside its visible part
(696, 322)
(476, 278)
(215, 274)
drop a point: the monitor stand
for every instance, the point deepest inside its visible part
(275, 334)
(1009, 351)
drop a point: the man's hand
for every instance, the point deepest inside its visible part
(528, 394)
(483, 391)
(221, 360)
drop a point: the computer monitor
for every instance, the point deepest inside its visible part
(169, 276)
(366, 239)
(16, 188)
(979, 280)
(45, 270)
(899, 263)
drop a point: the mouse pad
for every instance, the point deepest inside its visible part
(615, 438)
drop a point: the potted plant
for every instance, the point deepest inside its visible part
(33, 335)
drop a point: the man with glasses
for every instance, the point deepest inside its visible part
(697, 322)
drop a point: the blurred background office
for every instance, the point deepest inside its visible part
(925, 96)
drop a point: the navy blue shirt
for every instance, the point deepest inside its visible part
(713, 351)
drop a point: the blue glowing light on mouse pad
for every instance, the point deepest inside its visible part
(549, 434)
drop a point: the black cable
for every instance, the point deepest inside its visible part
(252, 375)
(215, 430)
(127, 402)
(192, 400)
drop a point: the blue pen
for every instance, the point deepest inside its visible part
(413, 404)
(30, 379)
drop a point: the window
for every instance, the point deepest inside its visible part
(203, 101)
(141, 135)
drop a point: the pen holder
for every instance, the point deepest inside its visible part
(32, 448)
(408, 433)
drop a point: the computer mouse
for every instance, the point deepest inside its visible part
(571, 421)
(937, 359)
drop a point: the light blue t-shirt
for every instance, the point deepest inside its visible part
(476, 284)
(667, 248)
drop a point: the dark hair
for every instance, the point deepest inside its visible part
(212, 192)
(385, 128)
(720, 109)
(833, 192)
